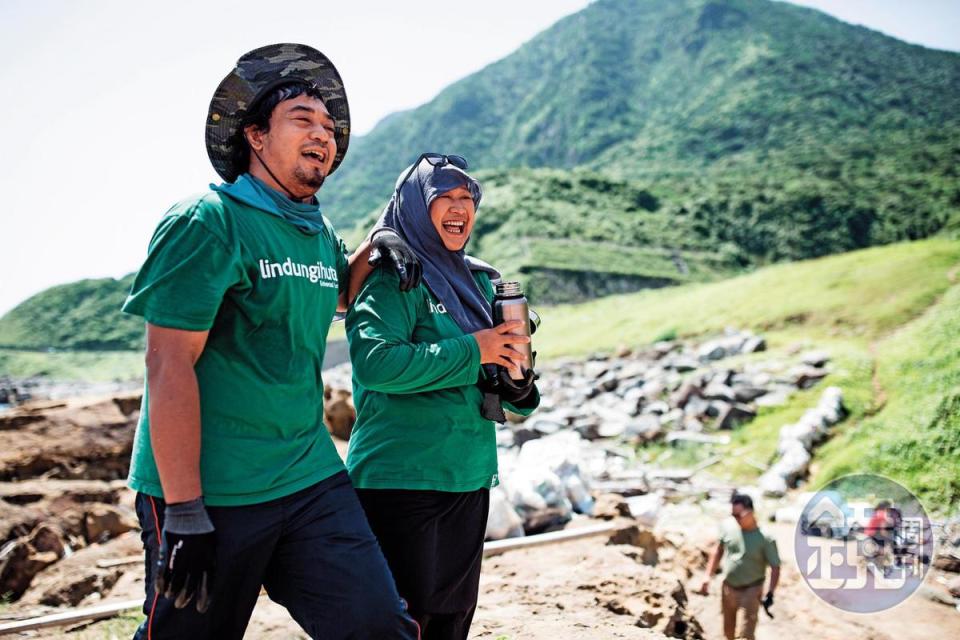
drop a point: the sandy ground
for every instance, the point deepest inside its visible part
(637, 587)
(593, 590)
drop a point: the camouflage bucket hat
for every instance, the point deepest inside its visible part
(258, 72)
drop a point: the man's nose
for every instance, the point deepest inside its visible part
(321, 134)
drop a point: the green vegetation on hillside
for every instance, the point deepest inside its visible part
(889, 317)
(744, 131)
(82, 315)
(858, 295)
(915, 437)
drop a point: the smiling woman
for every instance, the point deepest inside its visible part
(453, 214)
(423, 450)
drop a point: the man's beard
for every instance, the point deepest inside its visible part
(310, 179)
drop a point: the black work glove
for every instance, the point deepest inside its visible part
(187, 555)
(386, 242)
(767, 603)
(515, 391)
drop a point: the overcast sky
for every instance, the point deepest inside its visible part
(104, 102)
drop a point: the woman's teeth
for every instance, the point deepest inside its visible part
(455, 228)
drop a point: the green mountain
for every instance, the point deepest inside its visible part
(644, 143)
(760, 131)
(83, 315)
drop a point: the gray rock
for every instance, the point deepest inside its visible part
(772, 485)
(719, 391)
(663, 348)
(815, 358)
(716, 407)
(753, 344)
(712, 350)
(747, 393)
(645, 428)
(594, 370)
(687, 390)
(659, 407)
(682, 364)
(653, 389)
(805, 376)
(632, 400)
(734, 415)
(672, 418)
(609, 381)
(628, 384)
(696, 407)
(774, 398)
(633, 369)
(544, 424)
(611, 429)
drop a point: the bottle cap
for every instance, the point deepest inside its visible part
(509, 289)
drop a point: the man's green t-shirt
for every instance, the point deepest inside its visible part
(746, 555)
(266, 292)
(414, 386)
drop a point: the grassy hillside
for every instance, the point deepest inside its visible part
(890, 318)
(82, 315)
(860, 295)
(85, 366)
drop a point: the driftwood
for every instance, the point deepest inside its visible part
(72, 616)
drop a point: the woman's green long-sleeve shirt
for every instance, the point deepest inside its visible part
(414, 386)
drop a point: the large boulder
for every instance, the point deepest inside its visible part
(23, 558)
(101, 522)
(73, 579)
(339, 414)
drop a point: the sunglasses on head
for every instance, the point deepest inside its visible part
(435, 160)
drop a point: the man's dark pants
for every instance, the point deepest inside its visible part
(312, 550)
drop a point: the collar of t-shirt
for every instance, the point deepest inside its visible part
(254, 192)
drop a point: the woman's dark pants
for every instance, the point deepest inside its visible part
(433, 542)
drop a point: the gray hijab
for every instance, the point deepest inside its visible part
(446, 273)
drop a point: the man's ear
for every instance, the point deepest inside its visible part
(254, 136)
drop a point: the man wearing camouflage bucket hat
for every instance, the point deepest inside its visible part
(239, 484)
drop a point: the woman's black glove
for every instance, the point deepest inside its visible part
(515, 391)
(187, 555)
(386, 242)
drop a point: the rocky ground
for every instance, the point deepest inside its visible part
(69, 538)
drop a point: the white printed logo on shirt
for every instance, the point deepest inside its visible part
(317, 273)
(437, 308)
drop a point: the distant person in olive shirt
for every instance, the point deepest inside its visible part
(423, 452)
(746, 552)
(239, 485)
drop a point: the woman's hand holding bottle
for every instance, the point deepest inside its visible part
(495, 345)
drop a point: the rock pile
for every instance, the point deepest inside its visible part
(798, 440)
(595, 412)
